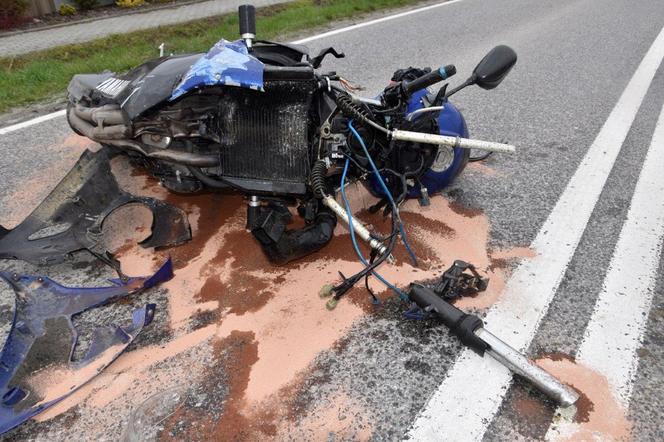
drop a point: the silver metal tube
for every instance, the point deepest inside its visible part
(423, 110)
(365, 100)
(521, 365)
(465, 143)
(358, 227)
(248, 39)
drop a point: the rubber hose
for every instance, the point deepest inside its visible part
(208, 181)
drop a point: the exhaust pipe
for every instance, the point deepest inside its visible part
(97, 133)
(109, 114)
(118, 136)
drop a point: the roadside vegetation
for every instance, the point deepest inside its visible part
(42, 75)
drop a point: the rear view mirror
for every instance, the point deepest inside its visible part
(494, 67)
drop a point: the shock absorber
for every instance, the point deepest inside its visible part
(470, 330)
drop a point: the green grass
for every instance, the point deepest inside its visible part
(38, 76)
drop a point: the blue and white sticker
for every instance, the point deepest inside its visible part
(227, 63)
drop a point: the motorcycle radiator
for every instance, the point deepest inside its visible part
(264, 136)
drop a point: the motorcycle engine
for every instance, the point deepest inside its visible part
(261, 139)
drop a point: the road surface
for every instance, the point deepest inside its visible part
(569, 229)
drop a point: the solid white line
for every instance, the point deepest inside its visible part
(374, 22)
(23, 125)
(621, 311)
(47, 117)
(464, 404)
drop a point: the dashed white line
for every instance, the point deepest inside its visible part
(616, 327)
(61, 113)
(464, 404)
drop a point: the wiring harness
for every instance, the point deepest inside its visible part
(357, 113)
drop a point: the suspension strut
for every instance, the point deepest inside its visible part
(470, 330)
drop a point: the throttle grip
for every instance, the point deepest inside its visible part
(247, 17)
(427, 80)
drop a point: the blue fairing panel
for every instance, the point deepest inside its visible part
(42, 339)
(227, 63)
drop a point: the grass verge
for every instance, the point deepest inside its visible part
(34, 77)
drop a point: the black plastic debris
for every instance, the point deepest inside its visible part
(461, 279)
(72, 215)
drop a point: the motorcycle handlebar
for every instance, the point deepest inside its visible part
(247, 17)
(464, 143)
(427, 80)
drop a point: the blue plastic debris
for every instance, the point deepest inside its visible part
(41, 341)
(227, 63)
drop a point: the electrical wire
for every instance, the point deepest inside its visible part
(341, 289)
(480, 157)
(388, 194)
(358, 252)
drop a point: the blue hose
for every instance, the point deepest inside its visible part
(401, 294)
(388, 194)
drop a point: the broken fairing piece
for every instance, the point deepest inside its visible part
(455, 283)
(72, 215)
(36, 367)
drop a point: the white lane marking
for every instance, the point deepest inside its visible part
(464, 404)
(60, 113)
(23, 125)
(375, 21)
(621, 311)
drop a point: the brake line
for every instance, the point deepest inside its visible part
(388, 194)
(358, 252)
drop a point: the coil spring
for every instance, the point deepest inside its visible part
(317, 178)
(351, 109)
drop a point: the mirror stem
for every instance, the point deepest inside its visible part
(470, 81)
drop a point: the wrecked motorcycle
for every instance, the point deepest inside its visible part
(260, 118)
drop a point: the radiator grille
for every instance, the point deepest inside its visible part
(264, 135)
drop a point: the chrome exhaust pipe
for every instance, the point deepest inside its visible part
(109, 114)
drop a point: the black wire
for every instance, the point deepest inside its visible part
(211, 182)
(366, 279)
(480, 158)
(358, 165)
(349, 282)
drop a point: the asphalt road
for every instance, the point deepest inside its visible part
(368, 373)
